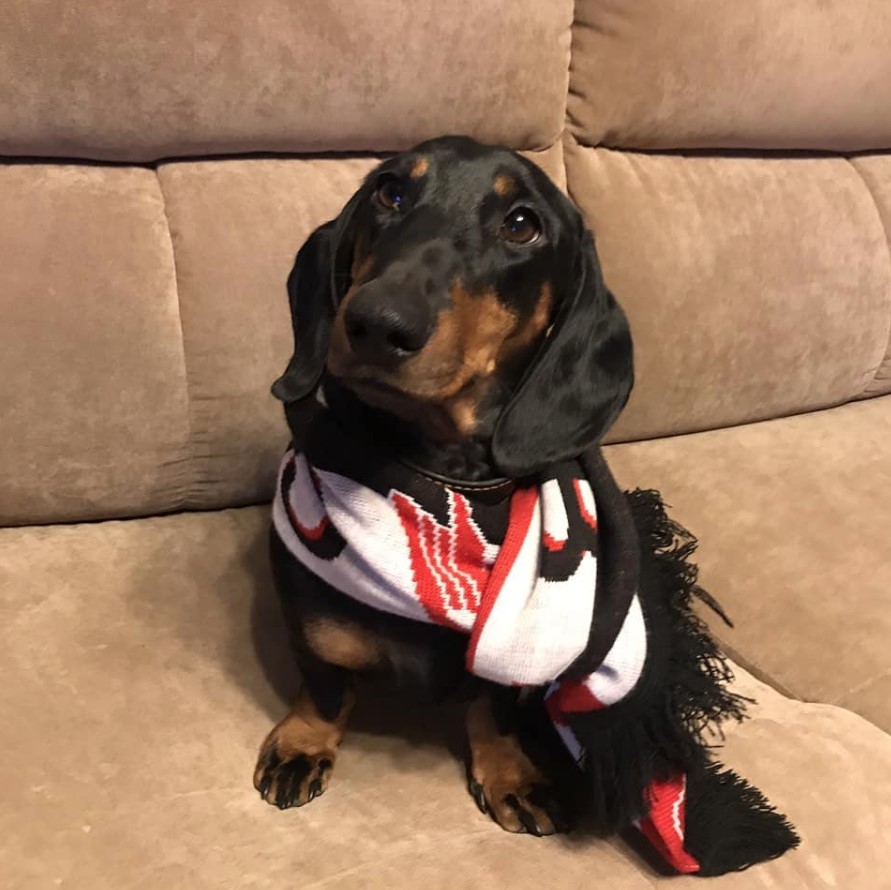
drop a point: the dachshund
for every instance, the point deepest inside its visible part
(455, 314)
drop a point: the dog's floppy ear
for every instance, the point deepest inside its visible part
(578, 382)
(320, 273)
(312, 310)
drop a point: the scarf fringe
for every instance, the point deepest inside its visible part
(667, 724)
(730, 823)
(698, 671)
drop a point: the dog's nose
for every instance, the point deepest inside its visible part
(384, 331)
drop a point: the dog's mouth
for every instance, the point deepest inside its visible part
(389, 396)
(444, 419)
(373, 390)
(375, 384)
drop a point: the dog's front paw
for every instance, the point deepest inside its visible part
(294, 780)
(519, 800)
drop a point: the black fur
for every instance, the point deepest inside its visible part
(577, 383)
(549, 404)
(553, 401)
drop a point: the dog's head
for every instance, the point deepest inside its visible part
(459, 290)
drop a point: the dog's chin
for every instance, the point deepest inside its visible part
(430, 416)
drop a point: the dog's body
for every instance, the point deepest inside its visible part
(457, 360)
(455, 313)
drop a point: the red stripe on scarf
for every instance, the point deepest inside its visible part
(447, 561)
(665, 824)
(310, 532)
(553, 545)
(574, 698)
(583, 507)
(522, 508)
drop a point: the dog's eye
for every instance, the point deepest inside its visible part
(390, 193)
(520, 226)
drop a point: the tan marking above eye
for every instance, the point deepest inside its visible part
(504, 185)
(420, 167)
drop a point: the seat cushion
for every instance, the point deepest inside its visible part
(793, 517)
(144, 662)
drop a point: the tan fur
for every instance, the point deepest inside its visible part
(446, 381)
(304, 734)
(467, 339)
(499, 764)
(361, 268)
(538, 322)
(420, 167)
(349, 646)
(504, 185)
(305, 731)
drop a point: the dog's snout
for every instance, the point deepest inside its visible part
(383, 329)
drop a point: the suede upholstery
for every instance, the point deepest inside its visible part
(700, 254)
(147, 695)
(143, 317)
(876, 173)
(92, 373)
(789, 513)
(164, 298)
(686, 74)
(119, 80)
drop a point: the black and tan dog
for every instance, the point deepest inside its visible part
(457, 312)
(457, 354)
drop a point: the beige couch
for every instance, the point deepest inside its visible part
(163, 163)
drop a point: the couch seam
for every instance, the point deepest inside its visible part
(569, 123)
(187, 494)
(561, 136)
(860, 687)
(887, 235)
(762, 674)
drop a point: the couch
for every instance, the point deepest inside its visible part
(160, 165)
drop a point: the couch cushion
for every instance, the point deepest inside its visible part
(793, 518)
(126, 80)
(134, 376)
(236, 226)
(760, 74)
(92, 377)
(876, 173)
(140, 671)
(756, 287)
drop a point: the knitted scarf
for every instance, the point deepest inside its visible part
(628, 675)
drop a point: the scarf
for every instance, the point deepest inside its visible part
(518, 568)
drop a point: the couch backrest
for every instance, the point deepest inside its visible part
(143, 307)
(126, 80)
(703, 144)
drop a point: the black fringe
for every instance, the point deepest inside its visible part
(698, 672)
(730, 823)
(681, 699)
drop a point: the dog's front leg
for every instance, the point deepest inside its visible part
(502, 778)
(297, 757)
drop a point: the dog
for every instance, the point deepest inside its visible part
(455, 314)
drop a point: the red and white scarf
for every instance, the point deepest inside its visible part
(518, 574)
